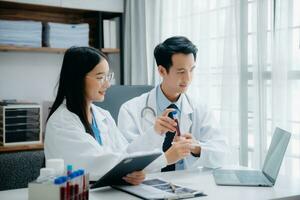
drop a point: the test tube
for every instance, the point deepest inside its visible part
(77, 185)
(86, 186)
(81, 186)
(61, 182)
(176, 119)
(69, 171)
(72, 185)
(76, 182)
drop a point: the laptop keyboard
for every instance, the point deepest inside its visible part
(250, 177)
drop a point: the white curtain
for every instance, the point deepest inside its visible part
(142, 25)
(213, 27)
(286, 78)
(258, 84)
(274, 88)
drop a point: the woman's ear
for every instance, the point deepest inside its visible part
(162, 71)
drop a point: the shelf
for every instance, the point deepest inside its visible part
(31, 49)
(21, 148)
(43, 13)
(6, 48)
(110, 50)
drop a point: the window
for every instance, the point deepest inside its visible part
(248, 69)
(285, 30)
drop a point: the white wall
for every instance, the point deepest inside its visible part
(30, 76)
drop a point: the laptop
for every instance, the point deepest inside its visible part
(265, 177)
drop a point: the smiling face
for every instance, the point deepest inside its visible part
(179, 77)
(96, 83)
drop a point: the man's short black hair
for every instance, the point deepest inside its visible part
(163, 52)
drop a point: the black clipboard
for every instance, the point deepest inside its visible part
(124, 167)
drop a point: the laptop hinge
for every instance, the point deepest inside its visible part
(269, 178)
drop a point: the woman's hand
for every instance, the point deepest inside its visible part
(135, 178)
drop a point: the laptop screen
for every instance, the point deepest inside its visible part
(276, 153)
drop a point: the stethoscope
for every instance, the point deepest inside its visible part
(147, 108)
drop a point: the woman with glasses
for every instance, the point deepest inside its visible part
(81, 133)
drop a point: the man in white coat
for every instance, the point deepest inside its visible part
(150, 112)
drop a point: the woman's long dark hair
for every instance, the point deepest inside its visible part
(77, 62)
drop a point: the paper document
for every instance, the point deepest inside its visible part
(160, 189)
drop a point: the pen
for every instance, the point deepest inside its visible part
(193, 144)
(175, 116)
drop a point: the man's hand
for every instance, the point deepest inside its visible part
(179, 150)
(164, 123)
(196, 150)
(135, 178)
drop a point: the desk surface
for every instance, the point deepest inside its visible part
(201, 179)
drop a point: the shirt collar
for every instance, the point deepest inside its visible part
(163, 102)
(97, 114)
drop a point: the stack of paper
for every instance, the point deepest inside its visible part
(21, 33)
(66, 35)
(111, 33)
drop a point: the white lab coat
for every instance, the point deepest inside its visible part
(195, 119)
(66, 138)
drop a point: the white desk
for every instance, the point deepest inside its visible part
(201, 179)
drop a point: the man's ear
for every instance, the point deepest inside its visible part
(162, 71)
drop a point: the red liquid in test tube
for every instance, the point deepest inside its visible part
(175, 116)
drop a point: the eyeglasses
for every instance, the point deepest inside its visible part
(103, 78)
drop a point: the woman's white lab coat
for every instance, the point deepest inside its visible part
(195, 119)
(66, 138)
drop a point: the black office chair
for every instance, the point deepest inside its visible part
(116, 95)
